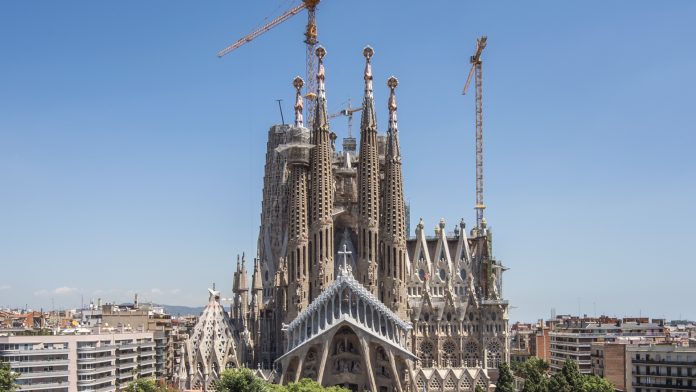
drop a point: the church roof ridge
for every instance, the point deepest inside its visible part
(347, 280)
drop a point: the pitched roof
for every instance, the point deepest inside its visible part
(344, 284)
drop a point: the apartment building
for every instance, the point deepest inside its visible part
(572, 338)
(660, 368)
(522, 341)
(71, 363)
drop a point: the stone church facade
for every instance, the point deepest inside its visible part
(340, 291)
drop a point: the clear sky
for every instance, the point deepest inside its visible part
(131, 158)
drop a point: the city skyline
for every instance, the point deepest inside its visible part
(132, 159)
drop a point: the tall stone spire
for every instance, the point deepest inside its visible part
(241, 294)
(256, 285)
(297, 155)
(254, 323)
(393, 229)
(321, 240)
(368, 182)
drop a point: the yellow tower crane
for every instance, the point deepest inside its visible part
(310, 40)
(476, 69)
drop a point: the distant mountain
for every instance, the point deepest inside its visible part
(178, 310)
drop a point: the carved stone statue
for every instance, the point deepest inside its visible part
(494, 286)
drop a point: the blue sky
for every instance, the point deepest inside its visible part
(131, 158)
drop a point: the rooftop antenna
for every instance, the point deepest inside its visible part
(282, 119)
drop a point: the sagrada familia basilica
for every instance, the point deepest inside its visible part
(340, 291)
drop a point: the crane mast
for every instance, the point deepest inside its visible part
(310, 40)
(348, 112)
(476, 70)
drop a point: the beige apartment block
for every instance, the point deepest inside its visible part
(660, 367)
(70, 363)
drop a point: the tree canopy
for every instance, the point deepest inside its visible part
(240, 380)
(7, 378)
(569, 379)
(307, 385)
(145, 385)
(597, 384)
(505, 379)
(244, 380)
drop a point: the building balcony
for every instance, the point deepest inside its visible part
(127, 355)
(125, 376)
(39, 363)
(147, 362)
(147, 344)
(107, 358)
(96, 349)
(97, 370)
(665, 386)
(128, 345)
(55, 373)
(43, 386)
(570, 352)
(110, 388)
(663, 362)
(34, 352)
(662, 375)
(128, 365)
(96, 381)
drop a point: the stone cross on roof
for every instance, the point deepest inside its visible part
(345, 268)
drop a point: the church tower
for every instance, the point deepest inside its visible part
(256, 309)
(241, 294)
(368, 187)
(393, 265)
(321, 246)
(296, 152)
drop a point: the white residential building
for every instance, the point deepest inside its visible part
(70, 363)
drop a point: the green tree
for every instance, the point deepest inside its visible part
(532, 364)
(593, 383)
(7, 378)
(478, 389)
(569, 379)
(535, 373)
(505, 380)
(307, 385)
(145, 385)
(241, 380)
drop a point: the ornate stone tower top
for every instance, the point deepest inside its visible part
(299, 104)
(321, 119)
(393, 150)
(369, 119)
